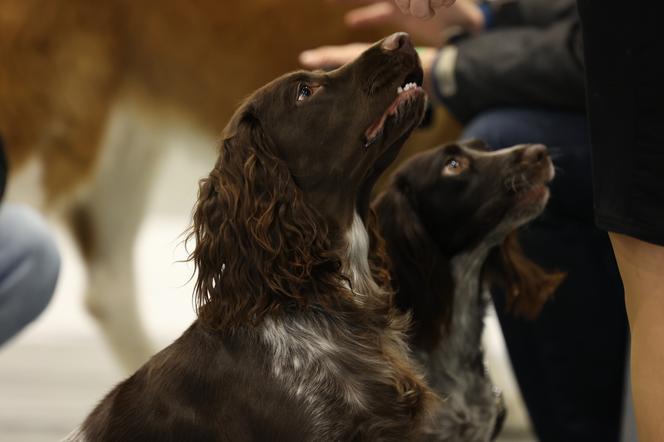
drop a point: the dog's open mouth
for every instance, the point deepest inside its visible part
(535, 193)
(538, 189)
(407, 94)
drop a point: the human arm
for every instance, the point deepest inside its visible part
(509, 12)
(539, 13)
(523, 66)
(467, 16)
(464, 15)
(422, 8)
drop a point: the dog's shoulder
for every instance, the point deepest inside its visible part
(205, 386)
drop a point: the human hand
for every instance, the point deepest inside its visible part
(465, 14)
(422, 9)
(327, 57)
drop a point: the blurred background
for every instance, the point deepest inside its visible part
(111, 111)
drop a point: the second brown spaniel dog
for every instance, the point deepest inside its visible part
(448, 219)
(294, 341)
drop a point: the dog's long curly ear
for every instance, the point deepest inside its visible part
(423, 283)
(259, 246)
(527, 285)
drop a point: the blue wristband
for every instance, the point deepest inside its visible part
(434, 78)
(487, 12)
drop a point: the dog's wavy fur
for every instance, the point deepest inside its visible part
(274, 250)
(294, 340)
(527, 285)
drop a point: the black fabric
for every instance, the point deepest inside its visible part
(570, 362)
(625, 92)
(519, 66)
(531, 12)
(3, 169)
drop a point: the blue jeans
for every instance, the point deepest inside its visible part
(570, 361)
(29, 266)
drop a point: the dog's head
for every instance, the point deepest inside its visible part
(453, 199)
(297, 160)
(337, 131)
(466, 195)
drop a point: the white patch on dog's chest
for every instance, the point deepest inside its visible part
(356, 265)
(471, 401)
(307, 360)
(307, 356)
(309, 364)
(320, 362)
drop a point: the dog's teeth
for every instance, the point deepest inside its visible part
(406, 87)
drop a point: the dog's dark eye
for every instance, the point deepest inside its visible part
(304, 91)
(454, 166)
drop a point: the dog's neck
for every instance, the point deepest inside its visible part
(456, 362)
(460, 347)
(356, 262)
(464, 335)
(462, 340)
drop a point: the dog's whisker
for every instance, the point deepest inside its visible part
(557, 156)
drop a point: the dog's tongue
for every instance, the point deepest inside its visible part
(373, 130)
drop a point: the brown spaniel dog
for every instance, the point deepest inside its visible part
(448, 220)
(295, 340)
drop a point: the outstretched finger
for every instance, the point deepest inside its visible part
(331, 56)
(355, 2)
(404, 5)
(376, 14)
(435, 4)
(421, 9)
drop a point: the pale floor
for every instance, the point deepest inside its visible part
(56, 370)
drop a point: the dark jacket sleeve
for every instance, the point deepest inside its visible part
(520, 66)
(3, 169)
(539, 13)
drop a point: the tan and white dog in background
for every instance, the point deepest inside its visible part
(90, 90)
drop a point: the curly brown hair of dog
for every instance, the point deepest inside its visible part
(259, 246)
(527, 285)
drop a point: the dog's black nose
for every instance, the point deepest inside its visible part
(396, 41)
(535, 153)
